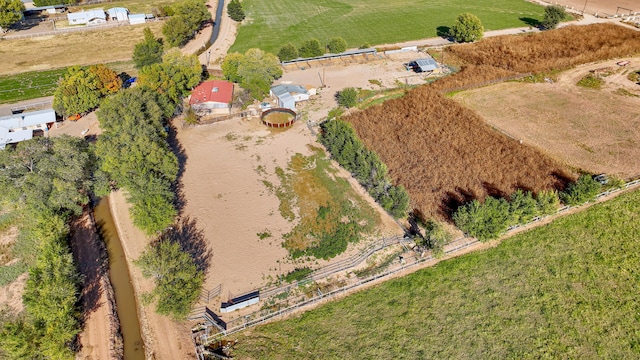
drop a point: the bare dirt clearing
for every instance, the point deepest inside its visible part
(601, 7)
(91, 47)
(594, 130)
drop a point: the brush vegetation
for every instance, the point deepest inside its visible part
(328, 212)
(568, 289)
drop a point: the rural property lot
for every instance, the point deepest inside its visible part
(594, 130)
(81, 48)
(271, 24)
(601, 7)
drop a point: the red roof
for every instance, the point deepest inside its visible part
(212, 91)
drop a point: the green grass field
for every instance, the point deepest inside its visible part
(35, 84)
(565, 290)
(29, 85)
(270, 24)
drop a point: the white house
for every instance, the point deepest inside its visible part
(288, 95)
(118, 14)
(20, 127)
(91, 17)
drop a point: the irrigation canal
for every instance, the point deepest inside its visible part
(126, 303)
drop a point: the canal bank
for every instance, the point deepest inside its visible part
(119, 276)
(163, 337)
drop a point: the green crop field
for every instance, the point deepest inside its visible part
(270, 24)
(29, 85)
(565, 290)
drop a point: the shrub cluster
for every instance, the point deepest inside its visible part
(491, 218)
(297, 274)
(347, 97)
(341, 141)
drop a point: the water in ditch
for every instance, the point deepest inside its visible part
(121, 281)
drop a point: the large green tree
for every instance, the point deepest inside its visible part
(188, 16)
(134, 153)
(235, 10)
(174, 77)
(82, 88)
(553, 15)
(337, 45)
(148, 51)
(467, 28)
(255, 71)
(288, 52)
(178, 280)
(311, 48)
(48, 173)
(10, 13)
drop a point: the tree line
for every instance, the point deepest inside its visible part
(49, 180)
(341, 141)
(490, 219)
(311, 48)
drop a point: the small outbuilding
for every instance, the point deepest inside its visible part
(137, 19)
(91, 17)
(288, 95)
(213, 96)
(118, 14)
(20, 127)
(424, 65)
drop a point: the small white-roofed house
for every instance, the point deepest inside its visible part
(118, 14)
(288, 95)
(20, 127)
(91, 17)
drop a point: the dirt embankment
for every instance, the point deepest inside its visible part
(100, 337)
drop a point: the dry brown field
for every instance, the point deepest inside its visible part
(593, 130)
(78, 48)
(537, 52)
(446, 154)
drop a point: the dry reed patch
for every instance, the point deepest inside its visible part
(80, 48)
(553, 49)
(445, 154)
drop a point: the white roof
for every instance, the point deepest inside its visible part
(12, 127)
(31, 118)
(87, 15)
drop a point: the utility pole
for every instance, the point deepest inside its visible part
(585, 6)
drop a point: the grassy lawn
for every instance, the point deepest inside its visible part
(565, 290)
(35, 84)
(78, 48)
(270, 24)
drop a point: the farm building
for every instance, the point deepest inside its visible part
(118, 14)
(288, 95)
(91, 17)
(424, 65)
(20, 127)
(137, 19)
(213, 96)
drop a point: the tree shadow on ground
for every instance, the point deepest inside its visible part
(177, 148)
(453, 200)
(531, 21)
(192, 241)
(444, 32)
